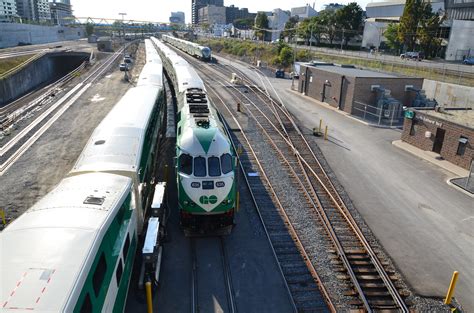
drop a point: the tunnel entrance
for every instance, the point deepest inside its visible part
(39, 73)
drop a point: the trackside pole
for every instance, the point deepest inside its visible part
(451, 288)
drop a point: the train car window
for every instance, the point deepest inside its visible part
(87, 304)
(226, 163)
(125, 247)
(99, 274)
(186, 164)
(214, 166)
(119, 272)
(199, 167)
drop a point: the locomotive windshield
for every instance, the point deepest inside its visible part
(214, 166)
(226, 163)
(186, 164)
(199, 167)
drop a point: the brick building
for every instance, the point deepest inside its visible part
(349, 89)
(449, 133)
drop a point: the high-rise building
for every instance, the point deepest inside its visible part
(212, 14)
(199, 4)
(177, 17)
(35, 10)
(61, 12)
(8, 11)
(303, 12)
(233, 13)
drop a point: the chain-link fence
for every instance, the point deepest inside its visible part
(388, 114)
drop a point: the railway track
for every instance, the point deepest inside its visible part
(368, 282)
(16, 109)
(211, 286)
(24, 139)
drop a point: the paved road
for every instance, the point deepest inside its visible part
(426, 226)
(437, 64)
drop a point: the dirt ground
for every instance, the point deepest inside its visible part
(51, 157)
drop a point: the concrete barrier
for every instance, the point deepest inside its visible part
(37, 73)
(449, 95)
(13, 33)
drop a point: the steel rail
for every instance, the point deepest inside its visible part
(285, 216)
(252, 194)
(78, 90)
(335, 197)
(228, 277)
(352, 224)
(316, 205)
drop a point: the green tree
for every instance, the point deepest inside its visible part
(429, 27)
(328, 22)
(286, 56)
(290, 27)
(243, 23)
(89, 29)
(261, 23)
(407, 31)
(391, 34)
(349, 20)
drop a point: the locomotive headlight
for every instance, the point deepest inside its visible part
(220, 184)
(185, 202)
(195, 184)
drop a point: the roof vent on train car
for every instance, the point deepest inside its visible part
(94, 200)
(99, 142)
(197, 101)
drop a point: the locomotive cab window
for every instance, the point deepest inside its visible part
(186, 164)
(214, 166)
(226, 163)
(199, 167)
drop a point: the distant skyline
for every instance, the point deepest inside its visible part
(160, 10)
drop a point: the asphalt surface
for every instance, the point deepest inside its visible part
(425, 225)
(256, 281)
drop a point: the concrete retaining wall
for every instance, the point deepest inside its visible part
(37, 73)
(12, 33)
(25, 80)
(450, 95)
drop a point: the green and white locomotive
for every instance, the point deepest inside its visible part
(205, 160)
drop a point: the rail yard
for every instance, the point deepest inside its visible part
(298, 241)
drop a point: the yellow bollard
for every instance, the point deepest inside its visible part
(326, 133)
(452, 286)
(2, 214)
(149, 302)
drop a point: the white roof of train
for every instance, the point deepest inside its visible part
(45, 254)
(152, 55)
(117, 142)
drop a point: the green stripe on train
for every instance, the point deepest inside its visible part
(114, 237)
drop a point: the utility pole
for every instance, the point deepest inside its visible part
(123, 31)
(342, 38)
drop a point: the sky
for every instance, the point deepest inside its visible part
(160, 10)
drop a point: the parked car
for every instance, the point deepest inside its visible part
(127, 60)
(412, 55)
(123, 67)
(280, 74)
(469, 61)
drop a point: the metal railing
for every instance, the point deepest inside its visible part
(21, 65)
(379, 115)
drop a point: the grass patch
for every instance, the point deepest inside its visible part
(249, 51)
(9, 63)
